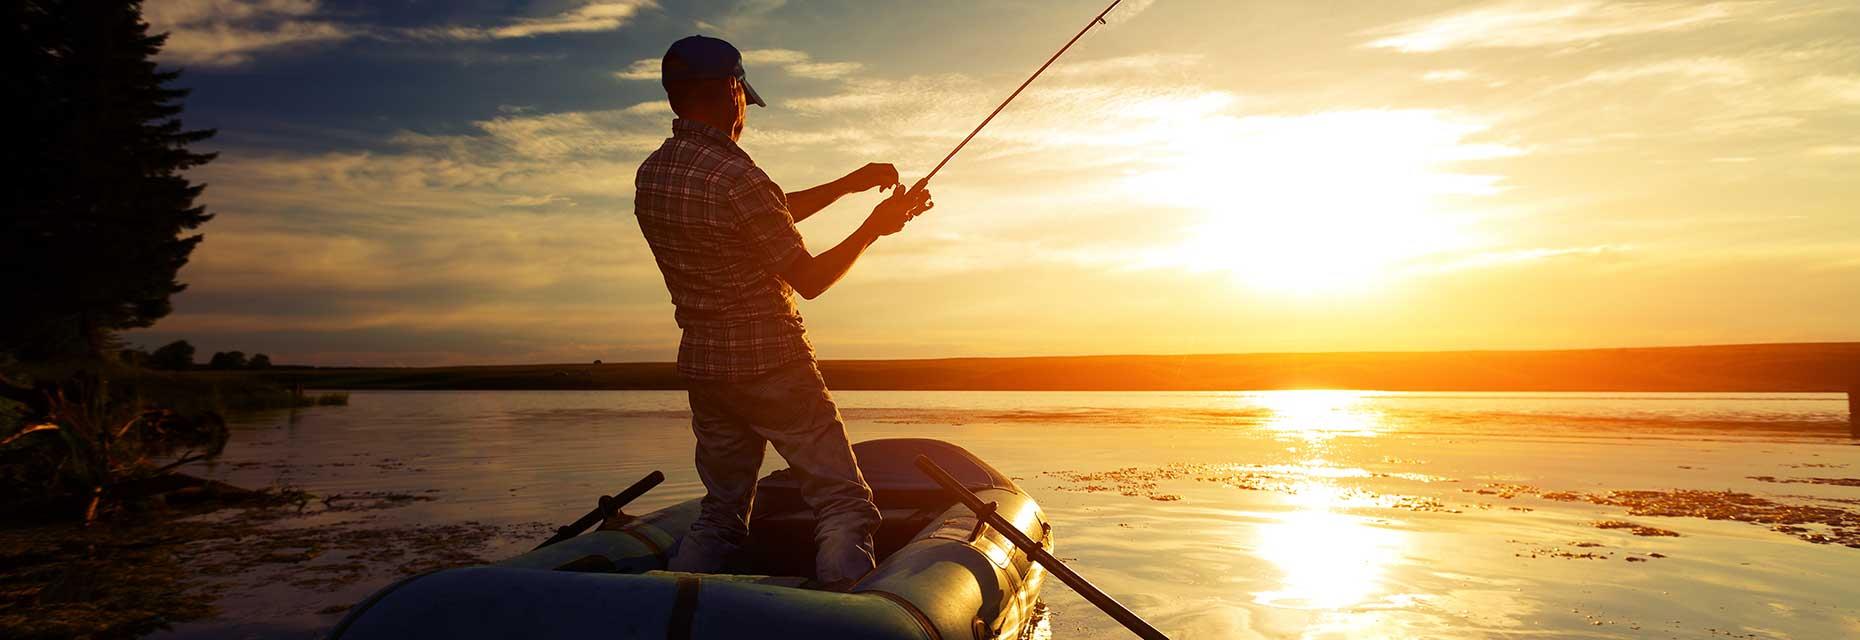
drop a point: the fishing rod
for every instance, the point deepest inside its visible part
(1023, 86)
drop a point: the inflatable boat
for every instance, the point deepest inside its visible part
(941, 573)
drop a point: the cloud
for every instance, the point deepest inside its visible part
(774, 56)
(654, 108)
(795, 63)
(592, 17)
(1541, 23)
(642, 69)
(539, 201)
(1147, 63)
(743, 16)
(1446, 75)
(227, 33)
(1487, 259)
(1127, 10)
(1707, 70)
(450, 243)
(798, 64)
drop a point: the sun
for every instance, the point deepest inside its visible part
(1318, 203)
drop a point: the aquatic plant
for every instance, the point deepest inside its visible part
(82, 443)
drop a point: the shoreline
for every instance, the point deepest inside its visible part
(1767, 368)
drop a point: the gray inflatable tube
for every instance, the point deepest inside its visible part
(951, 579)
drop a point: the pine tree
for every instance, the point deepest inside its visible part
(96, 203)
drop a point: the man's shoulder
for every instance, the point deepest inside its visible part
(713, 161)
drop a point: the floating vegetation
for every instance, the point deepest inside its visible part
(1820, 525)
(1140, 482)
(131, 579)
(1817, 524)
(370, 500)
(1838, 482)
(1128, 481)
(333, 399)
(1637, 529)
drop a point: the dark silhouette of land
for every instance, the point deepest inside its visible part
(1800, 367)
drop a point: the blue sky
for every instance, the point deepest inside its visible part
(451, 182)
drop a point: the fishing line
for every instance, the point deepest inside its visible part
(1004, 103)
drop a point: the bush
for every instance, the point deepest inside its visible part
(174, 356)
(85, 440)
(227, 360)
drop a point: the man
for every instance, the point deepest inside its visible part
(723, 235)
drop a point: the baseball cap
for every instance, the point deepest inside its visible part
(701, 58)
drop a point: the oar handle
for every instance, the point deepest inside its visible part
(987, 514)
(608, 505)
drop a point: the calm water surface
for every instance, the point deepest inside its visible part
(1310, 514)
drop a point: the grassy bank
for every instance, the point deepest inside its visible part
(1803, 367)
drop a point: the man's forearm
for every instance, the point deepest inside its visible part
(802, 204)
(813, 275)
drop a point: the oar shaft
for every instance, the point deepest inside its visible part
(608, 505)
(1084, 587)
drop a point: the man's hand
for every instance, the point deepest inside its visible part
(811, 275)
(877, 174)
(889, 217)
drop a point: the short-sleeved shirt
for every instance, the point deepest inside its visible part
(720, 230)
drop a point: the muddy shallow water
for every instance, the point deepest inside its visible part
(1215, 515)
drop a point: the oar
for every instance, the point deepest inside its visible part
(986, 513)
(608, 505)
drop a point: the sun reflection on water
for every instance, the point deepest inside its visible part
(1331, 559)
(1319, 414)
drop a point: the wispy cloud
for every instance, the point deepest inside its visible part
(1114, 68)
(1706, 70)
(743, 16)
(799, 64)
(795, 63)
(226, 33)
(641, 69)
(1446, 75)
(592, 17)
(1542, 23)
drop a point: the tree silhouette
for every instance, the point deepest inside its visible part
(96, 206)
(258, 361)
(174, 356)
(227, 360)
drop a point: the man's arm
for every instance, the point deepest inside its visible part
(813, 275)
(802, 204)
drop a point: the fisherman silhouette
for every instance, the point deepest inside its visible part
(723, 235)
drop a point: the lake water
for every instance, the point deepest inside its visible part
(1307, 514)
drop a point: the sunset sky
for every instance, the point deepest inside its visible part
(441, 183)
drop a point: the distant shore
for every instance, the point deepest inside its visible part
(1792, 367)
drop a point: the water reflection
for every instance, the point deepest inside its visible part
(1330, 559)
(1319, 414)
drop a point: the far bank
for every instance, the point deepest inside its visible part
(1793, 367)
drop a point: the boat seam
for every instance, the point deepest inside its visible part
(923, 621)
(684, 608)
(657, 551)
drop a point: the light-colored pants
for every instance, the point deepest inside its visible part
(791, 409)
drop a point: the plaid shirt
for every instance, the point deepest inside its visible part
(720, 230)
